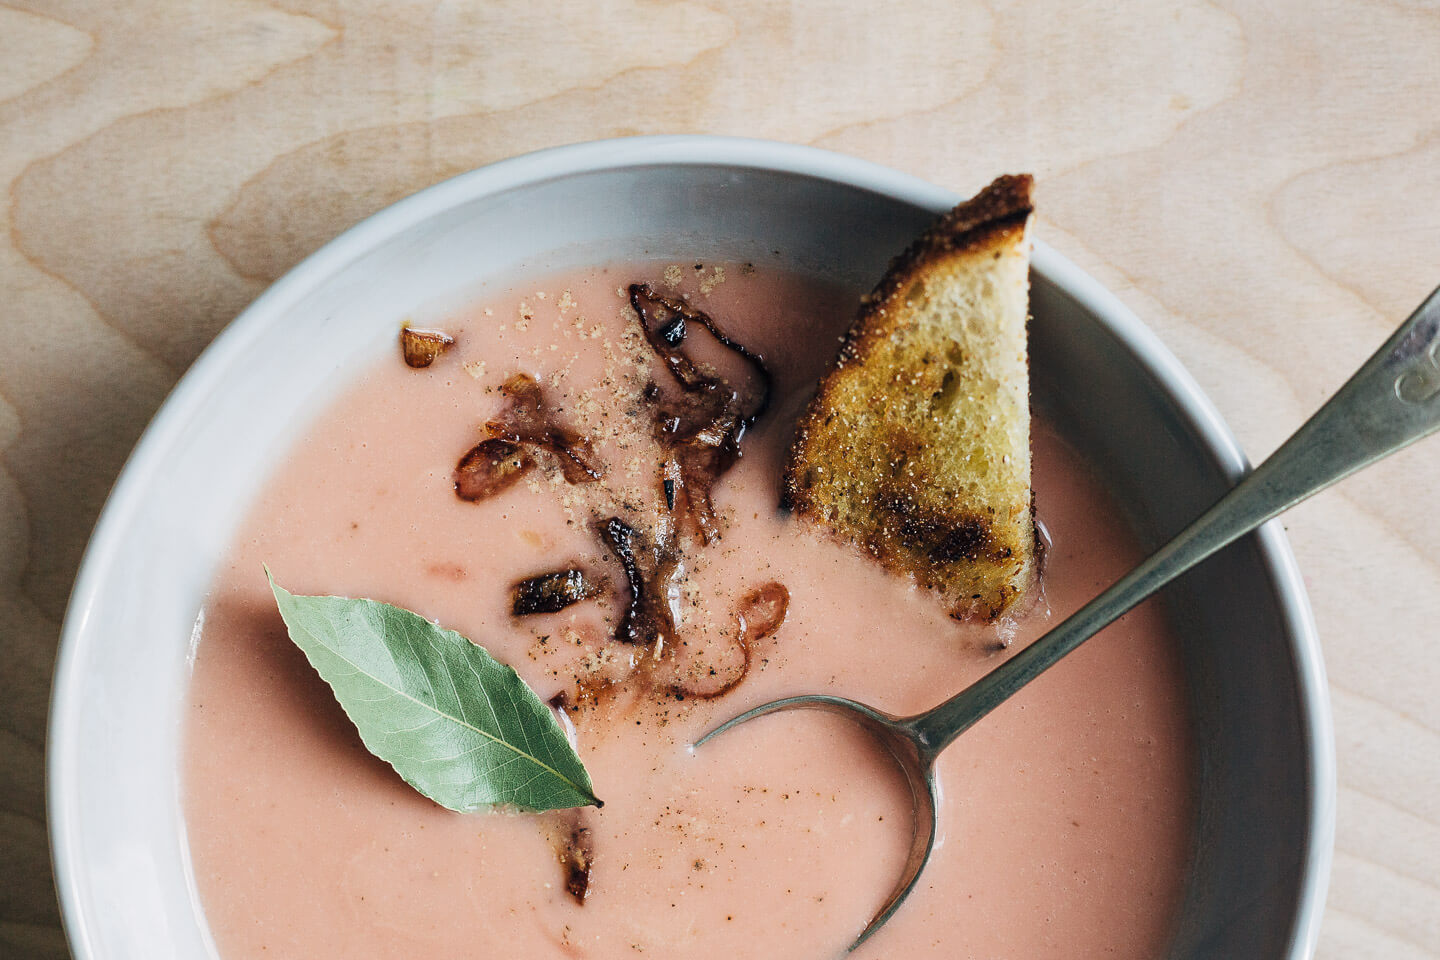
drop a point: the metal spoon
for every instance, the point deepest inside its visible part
(1390, 402)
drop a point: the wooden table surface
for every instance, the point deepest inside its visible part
(1259, 181)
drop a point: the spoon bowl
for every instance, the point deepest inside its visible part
(901, 739)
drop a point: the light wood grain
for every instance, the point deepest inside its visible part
(1259, 181)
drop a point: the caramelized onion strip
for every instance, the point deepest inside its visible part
(758, 616)
(550, 592)
(488, 468)
(665, 322)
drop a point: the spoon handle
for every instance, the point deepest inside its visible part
(1390, 402)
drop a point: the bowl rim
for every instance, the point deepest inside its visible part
(1194, 407)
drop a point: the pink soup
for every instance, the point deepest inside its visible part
(1067, 814)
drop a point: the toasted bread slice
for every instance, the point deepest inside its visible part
(917, 445)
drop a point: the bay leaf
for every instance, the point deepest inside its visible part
(456, 724)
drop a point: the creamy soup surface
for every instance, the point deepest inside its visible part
(1067, 814)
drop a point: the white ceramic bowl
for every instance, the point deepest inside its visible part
(1266, 810)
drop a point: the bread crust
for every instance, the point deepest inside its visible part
(995, 220)
(995, 215)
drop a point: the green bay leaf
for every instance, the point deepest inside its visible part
(459, 726)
